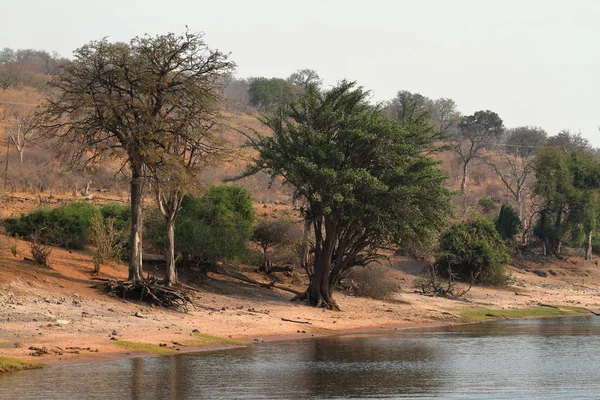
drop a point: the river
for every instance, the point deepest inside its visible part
(554, 358)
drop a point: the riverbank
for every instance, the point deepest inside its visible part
(51, 315)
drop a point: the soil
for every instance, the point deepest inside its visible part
(52, 315)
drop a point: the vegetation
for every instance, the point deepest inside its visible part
(65, 226)
(268, 94)
(9, 364)
(476, 315)
(372, 281)
(364, 177)
(508, 223)
(473, 250)
(268, 234)
(202, 339)
(131, 101)
(144, 347)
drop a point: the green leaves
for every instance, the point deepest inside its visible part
(361, 171)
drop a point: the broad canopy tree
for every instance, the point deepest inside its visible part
(364, 177)
(133, 101)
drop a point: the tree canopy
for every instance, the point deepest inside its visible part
(134, 101)
(364, 177)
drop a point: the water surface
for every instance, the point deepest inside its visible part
(526, 359)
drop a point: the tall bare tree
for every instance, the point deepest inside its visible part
(132, 101)
(512, 161)
(20, 132)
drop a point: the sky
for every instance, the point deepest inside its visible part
(534, 62)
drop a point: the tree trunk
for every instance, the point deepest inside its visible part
(304, 247)
(319, 293)
(463, 183)
(170, 272)
(266, 263)
(21, 158)
(588, 246)
(135, 251)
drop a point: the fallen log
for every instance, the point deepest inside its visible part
(296, 322)
(244, 278)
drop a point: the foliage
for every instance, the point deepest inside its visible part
(65, 226)
(268, 234)
(134, 101)
(305, 77)
(109, 236)
(365, 178)
(508, 223)
(210, 228)
(474, 250)
(487, 205)
(269, 94)
(372, 281)
(568, 186)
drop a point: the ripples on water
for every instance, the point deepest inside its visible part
(554, 358)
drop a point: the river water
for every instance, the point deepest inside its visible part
(555, 358)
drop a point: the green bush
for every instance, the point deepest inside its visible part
(487, 205)
(474, 249)
(508, 223)
(65, 226)
(210, 228)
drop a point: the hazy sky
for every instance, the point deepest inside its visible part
(532, 62)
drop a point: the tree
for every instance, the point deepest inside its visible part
(364, 178)
(21, 132)
(132, 101)
(474, 133)
(305, 77)
(177, 176)
(508, 222)
(567, 185)
(512, 161)
(268, 234)
(568, 141)
(268, 94)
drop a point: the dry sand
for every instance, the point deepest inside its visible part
(56, 308)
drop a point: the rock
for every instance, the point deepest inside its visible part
(114, 332)
(193, 331)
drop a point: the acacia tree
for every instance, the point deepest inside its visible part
(474, 133)
(364, 177)
(305, 77)
(132, 101)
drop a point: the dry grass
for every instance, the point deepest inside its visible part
(203, 340)
(144, 347)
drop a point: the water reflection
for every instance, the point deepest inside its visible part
(510, 359)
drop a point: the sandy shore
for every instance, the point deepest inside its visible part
(54, 308)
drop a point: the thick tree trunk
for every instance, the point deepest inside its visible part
(135, 251)
(588, 246)
(319, 292)
(463, 183)
(170, 272)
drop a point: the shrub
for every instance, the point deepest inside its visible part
(210, 228)
(487, 205)
(268, 234)
(109, 239)
(65, 226)
(372, 281)
(508, 223)
(474, 249)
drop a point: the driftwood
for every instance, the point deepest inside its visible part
(244, 278)
(297, 322)
(148, 290)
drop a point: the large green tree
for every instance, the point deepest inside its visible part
(364, 177)
(133, 101)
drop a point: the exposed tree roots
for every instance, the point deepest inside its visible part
(149, 291)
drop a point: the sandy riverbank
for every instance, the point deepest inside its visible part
(57, 310)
